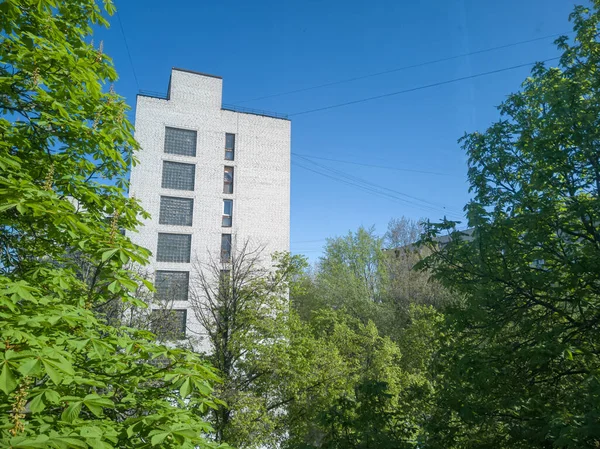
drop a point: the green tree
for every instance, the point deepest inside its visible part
(405, 285)
(520, 366)
(351, 275)
(370, 400)
(67, 378)
(256, 344)
(354, 262)
(372, 278)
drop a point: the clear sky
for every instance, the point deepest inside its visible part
(262, 48)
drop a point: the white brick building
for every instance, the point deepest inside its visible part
(193, 153)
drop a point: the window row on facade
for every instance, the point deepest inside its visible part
(182, 142)
(176, 248)
(179, 211)
(181, 176)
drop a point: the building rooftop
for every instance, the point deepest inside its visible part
(197, 73)
(224, 107)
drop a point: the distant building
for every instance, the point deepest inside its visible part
(210, 176)
(441, 240)
(465, 235)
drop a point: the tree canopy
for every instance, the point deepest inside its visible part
(493, 343)
(67, 378)
(521, 362)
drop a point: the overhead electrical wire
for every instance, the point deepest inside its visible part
(373, 165)
(427, 86)
(407, 67)
(376, 189)
(355, 178)
(127, 48)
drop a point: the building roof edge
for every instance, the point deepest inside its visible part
(196, 73)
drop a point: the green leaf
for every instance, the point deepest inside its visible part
(114, 286)
(108, 254)
(37, 405)
(52, 372)
(187, 432)
(569, 354)
(159, 438)
(40, 441)
(70, 442)
(71, 412)
(31, 367)
(186, 388)
(52, 396)
(8, 381)
(95, 403)
(63, 264)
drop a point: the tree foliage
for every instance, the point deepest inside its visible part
(355, 261)
(254, 342)
(406, 286)
(351, 275)
(371, 278)
(520, 368)
(67, 378)
(330, 380)
(373, 398)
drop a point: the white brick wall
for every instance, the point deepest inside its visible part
(261, 198)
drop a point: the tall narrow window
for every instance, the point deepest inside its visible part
(225, 247)
(228, 180)
(174, 248)
(176, 211)
(227, 213)
(180, 141)
(225, 276)
(225, 283)
(178, 176)
(229, 146)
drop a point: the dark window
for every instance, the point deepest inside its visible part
(169, 324)
(228, 180)
(180, 141)
(227, 213)
(229, 146)
(225, 247)
(178, 176)
(172, 285)
(176, 211)
(225, 282)
(173, 248)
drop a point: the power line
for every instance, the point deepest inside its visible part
(412, 66)
(371, 190)
(372, 165)
(363, 181)
(127, 48)
(427, 86)
(376, 189)
(382, 190)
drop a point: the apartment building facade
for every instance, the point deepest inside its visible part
(212, 178)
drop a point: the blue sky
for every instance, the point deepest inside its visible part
(262, 48)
